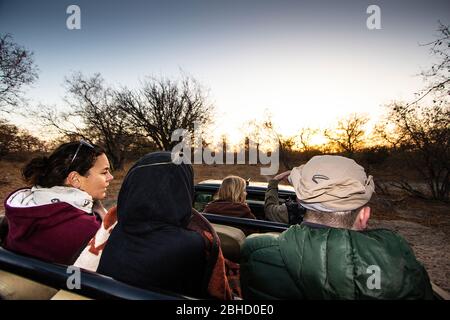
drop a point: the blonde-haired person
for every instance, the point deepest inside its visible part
(231, 199)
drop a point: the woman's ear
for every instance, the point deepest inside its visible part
(362, 219)
(73, 180)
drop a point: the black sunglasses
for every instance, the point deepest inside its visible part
(82, 143)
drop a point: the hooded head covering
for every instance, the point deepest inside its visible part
(155, 192)
(331, 184)
(151, 245)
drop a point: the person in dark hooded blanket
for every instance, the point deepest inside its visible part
(151, 246)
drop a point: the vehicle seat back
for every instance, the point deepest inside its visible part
(68, 295)
(231, 239)
(14, 287)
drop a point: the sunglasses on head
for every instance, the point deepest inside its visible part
(82, 143)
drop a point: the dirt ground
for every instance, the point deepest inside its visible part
(424, 224)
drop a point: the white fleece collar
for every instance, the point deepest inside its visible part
(38, 196)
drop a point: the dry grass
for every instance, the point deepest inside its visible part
(425, 224)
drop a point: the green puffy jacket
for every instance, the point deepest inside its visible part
(307, 262)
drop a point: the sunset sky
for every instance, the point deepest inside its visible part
(308, 63)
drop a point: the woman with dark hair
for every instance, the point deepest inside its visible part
(55, 218)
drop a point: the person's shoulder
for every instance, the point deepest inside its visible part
(258, 241)
(244, 206)
(80, 218)
(389, 241)
(213, 203)
(383, 234)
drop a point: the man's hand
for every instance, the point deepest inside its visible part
(283, 176)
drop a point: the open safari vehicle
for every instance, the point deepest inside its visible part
(24, 277)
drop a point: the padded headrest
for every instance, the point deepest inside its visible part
(231, 240)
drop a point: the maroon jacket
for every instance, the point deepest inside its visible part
(227, 208)
(54, 232)
(232, 209)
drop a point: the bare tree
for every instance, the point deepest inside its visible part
(161, 106)
(105, 121)
(93, 115)
(17, 68)
(304, 138)
(8, 133)
(14, 140)
(266, 133)
(438, 76)
(349, 134)
(423, 134)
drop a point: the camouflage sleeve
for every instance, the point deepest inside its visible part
(272, 209)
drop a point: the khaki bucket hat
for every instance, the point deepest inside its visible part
(332, 183)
